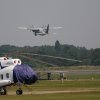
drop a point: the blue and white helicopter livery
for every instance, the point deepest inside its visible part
(13, 72)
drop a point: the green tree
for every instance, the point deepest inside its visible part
(95, 57)
(57, 46)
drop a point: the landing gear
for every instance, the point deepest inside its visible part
(19, 92)
(3, 91)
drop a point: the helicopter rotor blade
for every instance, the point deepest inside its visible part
(53, 57)
(37, 60)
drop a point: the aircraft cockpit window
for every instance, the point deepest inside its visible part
(1, 76)
(7, 75)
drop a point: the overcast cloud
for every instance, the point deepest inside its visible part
(80, 20)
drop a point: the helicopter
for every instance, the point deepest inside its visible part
(13, 72)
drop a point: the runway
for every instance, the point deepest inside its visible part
(52, 92)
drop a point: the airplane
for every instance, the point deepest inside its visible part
(13, 72)
(39, 30)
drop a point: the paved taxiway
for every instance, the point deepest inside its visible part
(50, 92)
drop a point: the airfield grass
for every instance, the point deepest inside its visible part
(83, 77)
(58, 85)
(76, 76)
(59, 96)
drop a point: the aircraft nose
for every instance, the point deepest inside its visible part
(24, 74)
(32, 78)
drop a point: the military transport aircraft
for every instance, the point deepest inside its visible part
(39, 30)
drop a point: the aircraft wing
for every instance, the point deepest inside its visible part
(23, 28)
(55, 27)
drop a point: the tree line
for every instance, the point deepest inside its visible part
(87, 56)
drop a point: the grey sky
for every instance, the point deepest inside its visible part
(80, 20)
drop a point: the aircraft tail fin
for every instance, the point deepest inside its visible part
(47, 30)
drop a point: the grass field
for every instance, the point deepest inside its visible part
(60, 96)
(54, 90)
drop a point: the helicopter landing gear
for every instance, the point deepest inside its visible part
(19, 91)
(3, 91)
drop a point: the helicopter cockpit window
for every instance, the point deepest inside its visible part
(7, 75)
(1, 76)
